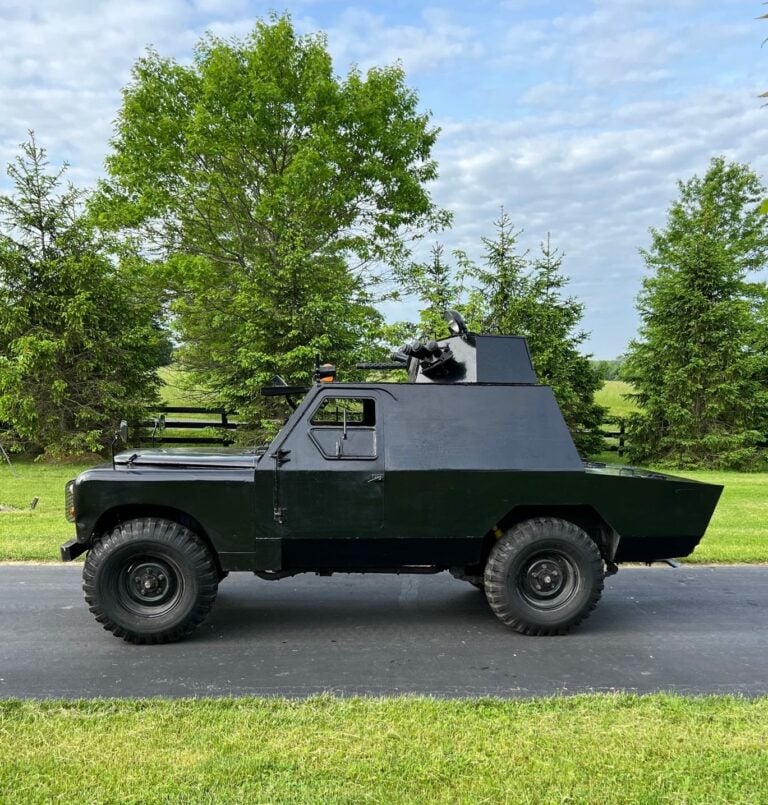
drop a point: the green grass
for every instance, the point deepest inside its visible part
(611, 396)
(26, 534)
(175, 389)
(612, 748)
(739, 528)
(738, 532)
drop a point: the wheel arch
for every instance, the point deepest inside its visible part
(119, 514)
(584, 516)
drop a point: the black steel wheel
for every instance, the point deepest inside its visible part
(544, 576)
(150, 580)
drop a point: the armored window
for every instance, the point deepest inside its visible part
(344, 428)
(355, 411)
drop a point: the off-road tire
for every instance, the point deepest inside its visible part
(544, 576)
(150, 580)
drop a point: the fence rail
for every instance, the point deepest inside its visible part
(150, 430)
(224, 424)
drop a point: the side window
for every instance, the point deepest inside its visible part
(355, 411)
(345, 428)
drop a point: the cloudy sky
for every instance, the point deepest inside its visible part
(577, 116)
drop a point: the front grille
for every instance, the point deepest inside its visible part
(69, 501)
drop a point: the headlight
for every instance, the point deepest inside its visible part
(69, 501)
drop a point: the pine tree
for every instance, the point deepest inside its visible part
(551, 322)
(515, 294)
(79, 339)
(438, 289)
(699, 366)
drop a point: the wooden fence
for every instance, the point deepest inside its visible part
(150, 430)
(620, 435)
(224, 425)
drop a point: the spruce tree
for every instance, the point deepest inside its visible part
(699, 364)
(438, 289)
(80, 340)
(552, 325)
(512, 293)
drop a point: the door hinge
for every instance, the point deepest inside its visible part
(280, 456)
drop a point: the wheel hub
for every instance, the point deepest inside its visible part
(548, 580)
(150, 582)
(545, 577)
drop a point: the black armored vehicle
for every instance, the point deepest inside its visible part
(468, 467)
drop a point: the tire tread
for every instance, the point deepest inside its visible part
(168, 533)
(513, 542)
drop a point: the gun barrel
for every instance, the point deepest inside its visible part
(384, 367)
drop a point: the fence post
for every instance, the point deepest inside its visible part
(621, 437)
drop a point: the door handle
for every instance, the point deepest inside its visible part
(375, 478)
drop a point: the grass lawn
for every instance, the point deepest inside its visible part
(739, 528)
(611, 396)
(738, 532)
(597, 748)
(26, 534)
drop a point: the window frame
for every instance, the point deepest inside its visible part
(339, 427)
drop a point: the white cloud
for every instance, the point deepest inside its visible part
(597, 192)
(63, 67)
(365, 39)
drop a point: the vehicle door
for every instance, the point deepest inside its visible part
(330, 469)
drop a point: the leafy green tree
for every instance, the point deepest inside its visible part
(79, 344)
(699, 366)
(269, 189)
(608, 370)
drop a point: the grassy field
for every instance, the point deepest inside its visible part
(612, 748)
(27, 534)
(739, 528)
(611, 395)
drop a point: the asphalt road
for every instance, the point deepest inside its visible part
(692, 630)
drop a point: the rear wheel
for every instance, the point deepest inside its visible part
(544, 576)
(150, 580)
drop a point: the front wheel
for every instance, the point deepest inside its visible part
(150, 580)
(544, 576)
